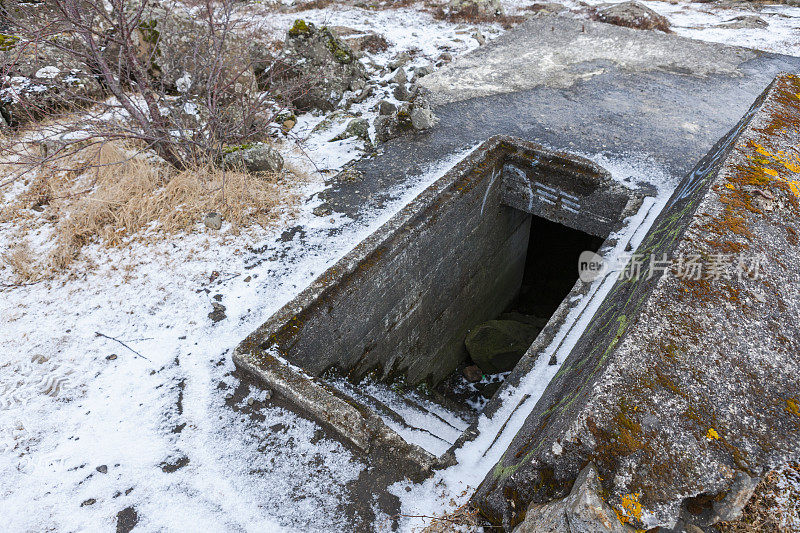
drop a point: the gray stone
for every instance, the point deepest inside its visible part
(586, 511)
(633, 15)
(731, 506)
(475, 8)
(422, 71)
(258, 158)
(402, 93)
(549, 517)
(422, 118)
(386, 127)
(213, 221)
(358, 127)
(322, 210)
(399, 76)
(496, 346)
(361, 41)
(398, 61)
(217, 313)
(478, 36)
(741, 22)
(385, 107)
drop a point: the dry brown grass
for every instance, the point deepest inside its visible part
(123, 199)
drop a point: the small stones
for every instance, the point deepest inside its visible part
(288, 124)
(111, 357)
(385, 107)
(90, 501)
(472, 373)
(251, 401)
(103, 469)
(268, 394)
(218, 312)
(213, 221)
(478, 36)
(445, 57)
(322, 210)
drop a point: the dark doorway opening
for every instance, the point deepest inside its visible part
(494, 347)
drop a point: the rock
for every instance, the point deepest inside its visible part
(398, 61)
(549, 517)
(586, 511)
(103, 469)
(731, 506)
(288, 124)
(90, 501)
(422, 71)
(386, 127)
(472, 373)
(218, 312)
(490, 389)
(445, 57)
(385, 107)
(358, 127)
(633, 15)
(399, 76)
(257, 158)
(547, 8)
(748, 22)
(361, 41)
(496, 346)
(213, 221)
(174, 463)
(322, 210)
(331, 64)
(422, 118)
(127, 520)
(402, 93)
(475, 8)
(478, 36)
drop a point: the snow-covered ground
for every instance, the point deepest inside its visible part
(154, 420)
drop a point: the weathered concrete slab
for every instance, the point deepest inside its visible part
(626, 93)
(682, 391)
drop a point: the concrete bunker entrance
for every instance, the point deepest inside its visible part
(376, 345)
(548, 275)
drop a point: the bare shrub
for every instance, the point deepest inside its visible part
(179, 84)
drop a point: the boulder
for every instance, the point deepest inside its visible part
(496, 346)
(361, 41)
(328, 64)
(256, 158)
(582, 511)
(744, 22)
(475, 8)
(634, 15)
(422, 118)
(385, 107)
(358, 127)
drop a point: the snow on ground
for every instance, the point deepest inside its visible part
(89, 427)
